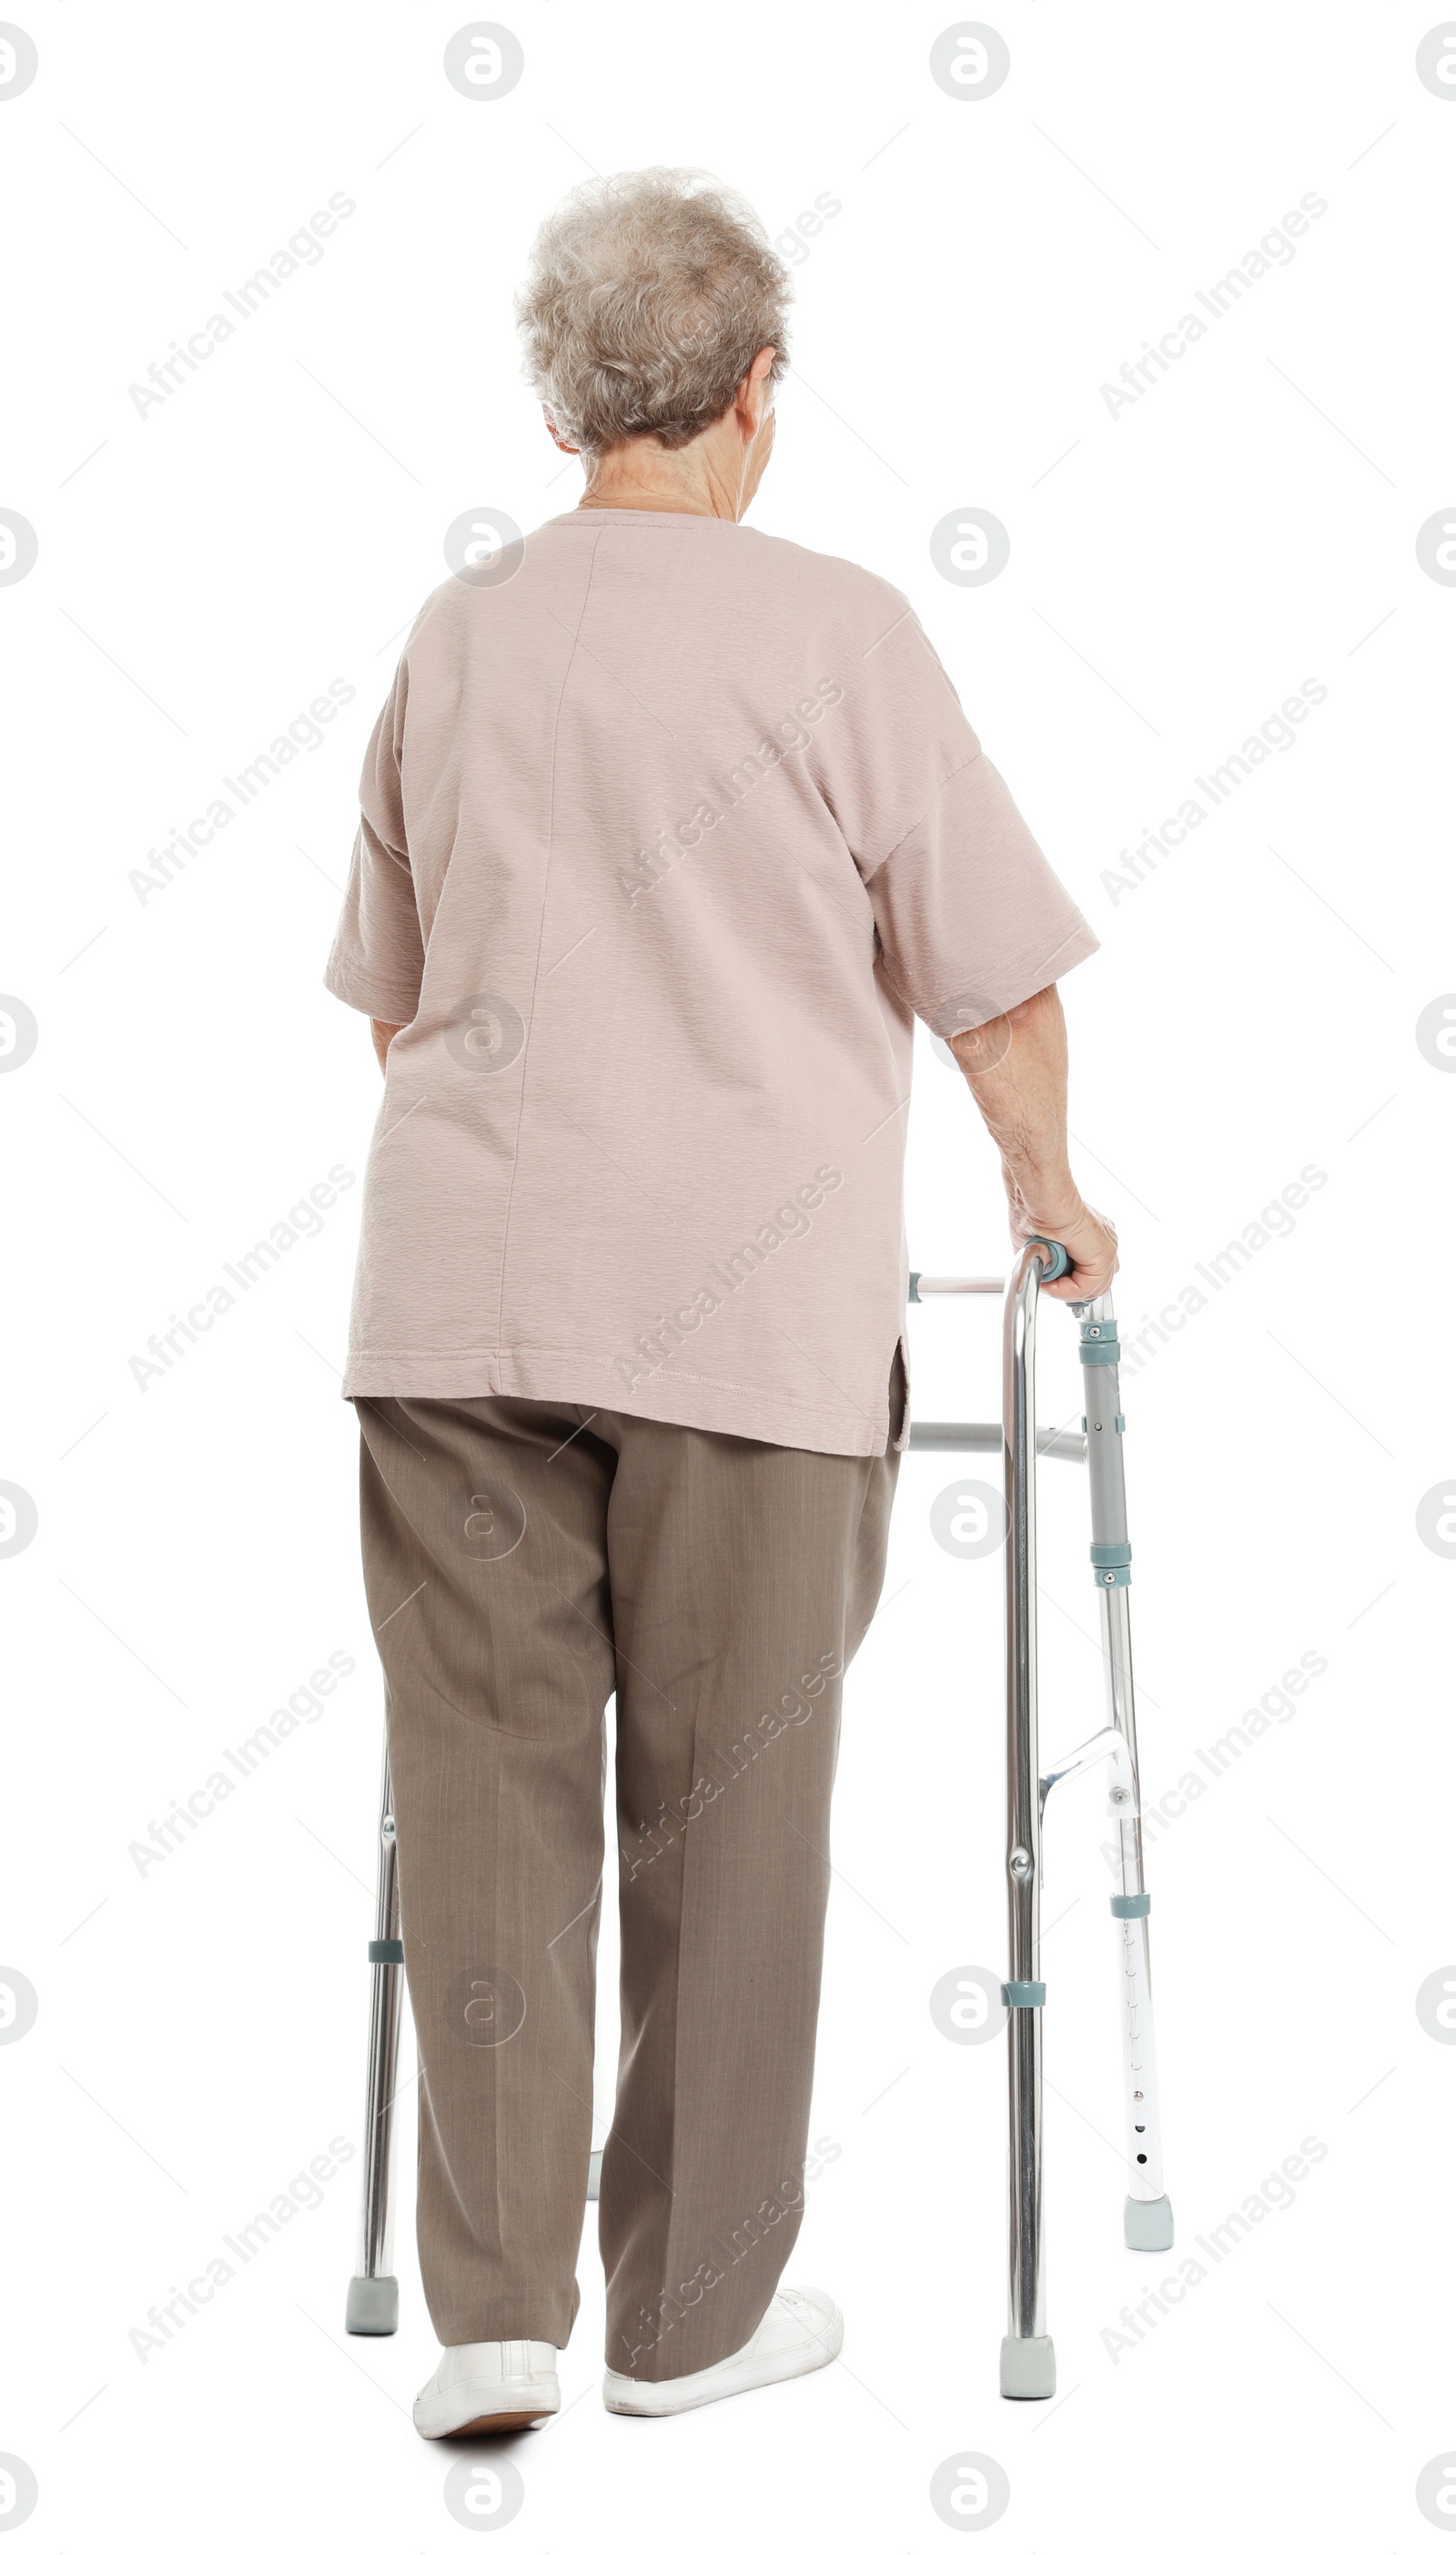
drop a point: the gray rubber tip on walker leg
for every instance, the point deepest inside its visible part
(1148, 2225)
(594, 2175)
(374, 2305)
(1027, 2365)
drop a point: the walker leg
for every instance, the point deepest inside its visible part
(1028, 2360)
(1147, 2217)
(374, 2292)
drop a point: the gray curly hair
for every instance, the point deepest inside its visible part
(646, 299)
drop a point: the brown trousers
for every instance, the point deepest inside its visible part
(523, 1559)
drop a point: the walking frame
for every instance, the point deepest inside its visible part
(1027, 2359)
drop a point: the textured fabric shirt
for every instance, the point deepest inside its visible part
(669, 830)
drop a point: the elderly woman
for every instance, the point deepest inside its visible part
(669, 831)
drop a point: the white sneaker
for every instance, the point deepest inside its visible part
(802, 2330)
(489, 2386)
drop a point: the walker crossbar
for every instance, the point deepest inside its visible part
(1028, 2360)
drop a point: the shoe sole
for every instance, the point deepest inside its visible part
(800, 2360)
(512, 2417)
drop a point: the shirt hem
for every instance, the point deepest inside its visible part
(946, 1017)
(683, 1401)
(372, 998)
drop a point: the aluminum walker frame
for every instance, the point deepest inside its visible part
(1027, 2360)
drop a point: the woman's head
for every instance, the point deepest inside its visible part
(648, 300)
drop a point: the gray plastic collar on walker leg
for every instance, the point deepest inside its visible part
(374, 2305)
(1148, 2225)
(1027, 2365)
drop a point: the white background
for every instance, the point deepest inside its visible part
(1176, 571)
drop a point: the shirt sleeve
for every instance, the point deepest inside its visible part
(971, 916)
(377, 961)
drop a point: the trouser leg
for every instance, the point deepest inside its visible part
(743, 1579)
(485, 1570)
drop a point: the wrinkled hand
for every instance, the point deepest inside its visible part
(1088, 1239)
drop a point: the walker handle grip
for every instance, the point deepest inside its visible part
(1059, 1261)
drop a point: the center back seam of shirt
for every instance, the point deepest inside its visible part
(540, 943)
